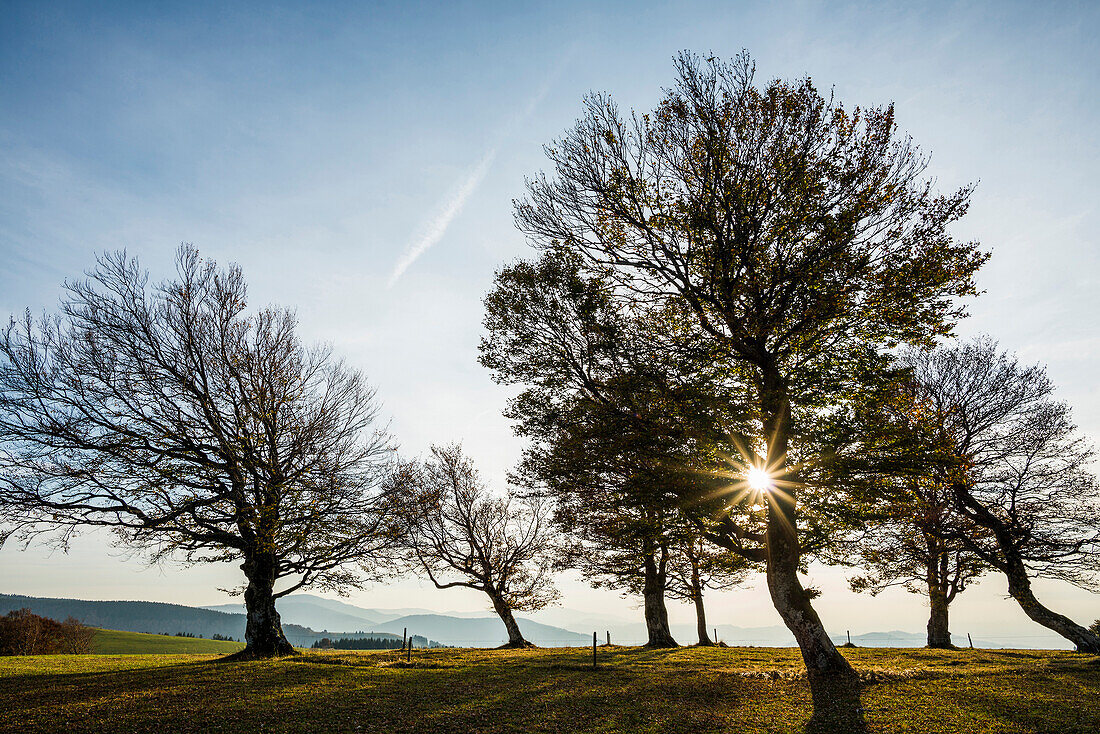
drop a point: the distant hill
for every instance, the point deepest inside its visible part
(481, 631)
(319, 613)
(151, 617)
(467, 629)
(307, 612)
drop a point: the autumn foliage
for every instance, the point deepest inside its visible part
(24, 633)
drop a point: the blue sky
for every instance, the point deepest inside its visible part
(359, 162)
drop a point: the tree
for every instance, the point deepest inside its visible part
(24, 633)
(193, 429)
(455, 528)
(913, 548)
(698, 565)
(1015, 468)
(611, 440)
(800, 238)
(618, 543)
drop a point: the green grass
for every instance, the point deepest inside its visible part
(113, 642)
(634, 690)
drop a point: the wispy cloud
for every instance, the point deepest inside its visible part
(436, 227)
(433, 230)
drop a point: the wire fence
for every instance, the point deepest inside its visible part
(875, 640)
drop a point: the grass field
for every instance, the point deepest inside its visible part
(555, 690)
(113, 642)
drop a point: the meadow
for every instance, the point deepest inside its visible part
(553, 690)
(115, 642)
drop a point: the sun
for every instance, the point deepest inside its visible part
(759, 479)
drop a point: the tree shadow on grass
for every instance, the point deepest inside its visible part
(310, 695)
(837, 705)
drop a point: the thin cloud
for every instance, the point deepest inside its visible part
(434, 229)
(437, 226)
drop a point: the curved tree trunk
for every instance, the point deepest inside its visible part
(1019, 584)
(504, 611)
(1019, 588)
(263, 634)
(656, 614)
(781, 538)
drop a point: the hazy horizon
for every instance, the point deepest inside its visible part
(359, 165)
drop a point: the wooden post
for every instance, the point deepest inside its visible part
(609, 638)
(593, 651)
(849, 632)
(715, 635)
(971, 639)
(404, 637)
(409, 652)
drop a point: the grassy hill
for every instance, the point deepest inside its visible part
(114, 642)
(555, 690)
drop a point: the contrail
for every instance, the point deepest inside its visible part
(436, 227)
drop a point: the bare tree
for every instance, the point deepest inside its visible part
(195, 430)
(913, 548)
(1016, 469)
(698, 565)
(461, 535)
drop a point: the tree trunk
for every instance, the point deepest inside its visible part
(701, 620)
(781, 537)
(263, 634)
(937, 576)
(938, 633)
(504, 611)
(700, 612)
(1019, 588)
(656, 614)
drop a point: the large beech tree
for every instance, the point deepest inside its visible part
(195, 429)
(455, 530)
(1015, 468)
(796, 233)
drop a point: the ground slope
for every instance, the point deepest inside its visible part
(634, 690)
(114, 642)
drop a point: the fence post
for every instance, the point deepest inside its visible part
(971, 639)
(849, 632)
(715, 635)
(593, 651)
(609, 638)
(409, 652)
(404, 636)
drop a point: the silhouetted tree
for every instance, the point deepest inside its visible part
(1015, 468)
(194, 429)
(455, 528)
(698, 565)
(913, 548)
(611, 440)
(798, 236)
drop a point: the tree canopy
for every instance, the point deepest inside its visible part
(799, 238)
(195, 429)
